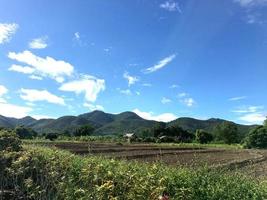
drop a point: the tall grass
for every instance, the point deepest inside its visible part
(44, 173)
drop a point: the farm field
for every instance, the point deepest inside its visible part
(250, 162)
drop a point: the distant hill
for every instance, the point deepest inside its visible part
(191, 124)
(106, 123)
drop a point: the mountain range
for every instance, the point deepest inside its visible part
(107, 124)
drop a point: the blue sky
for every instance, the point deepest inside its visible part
(162, 59)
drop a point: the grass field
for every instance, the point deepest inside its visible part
(249, 162)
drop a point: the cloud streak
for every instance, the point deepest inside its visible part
(39, 43)
(162, 63)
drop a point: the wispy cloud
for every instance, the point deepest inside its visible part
(164, 117)
(21, 69)
(34, 77)
(171, 6)
(39, 43)
(89, 85)
(3, 90)
(253, 118)
(6, 31)
(174, 86)
(248, 109)
(189, 102)
(251, 114)
(131, 79)
(182, 94)
(165, 100)
(147, 84)
(237, 98)
(45, 67)
(249, 3)
(93, 107)
(126, 92)
(33, 95)
(162, 63)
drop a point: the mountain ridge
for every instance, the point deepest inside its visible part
(107, 123)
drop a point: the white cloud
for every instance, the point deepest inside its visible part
(248, 109)
(11, 110)
(138, 93)
(45, 67)
(42, 117)
(182, 94)
(147, 84)
(38, 43)
(6, 31)
(77, 35)
(89, 85)
(21, 69)
(174, 86)
(160, 64)
(171, 6)
(164, 117)
(131, 79)
(3, 90)
(249, 3)
(32, 95)
(237, 98)
(253, 118)
(126, 92)
(34, 77)
(165, 100)
(93, 107)
(189, 102)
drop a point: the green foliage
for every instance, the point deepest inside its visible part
(257, 138)
(25, 133)
(265, 122)
(227, 132)
(84, 130)
(203, 137)
(51, 136)
(9, 141)
(54, 174)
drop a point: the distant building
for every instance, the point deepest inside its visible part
(130, 136)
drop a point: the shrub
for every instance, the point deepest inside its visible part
(257, 138)
(203, 137)
(9, 141)
(51, 136)
(84, 130)
(25, 133)
(55, 174)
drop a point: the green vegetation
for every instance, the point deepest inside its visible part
(227, 132)
(84, 130)
(25, 133)
(257, 138)
(203, 137)
(43, 173)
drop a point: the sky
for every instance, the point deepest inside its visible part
(161, 59)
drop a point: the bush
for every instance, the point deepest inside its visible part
(9, 141)
(84, 130)
(203, 137)
(55, 174)
(51, 136)
(257, 138)
(25, 133)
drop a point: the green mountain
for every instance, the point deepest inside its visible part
(106, 124)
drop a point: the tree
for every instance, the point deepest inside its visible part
(257, 138)
(25, 133)
(159, 129)
(84, 130)
(51, 136)
(265, 122)
(180, 134)
(227, 132)
(203, 137)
